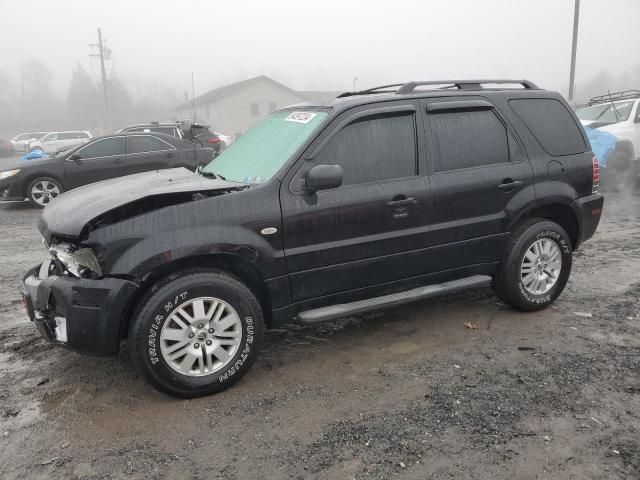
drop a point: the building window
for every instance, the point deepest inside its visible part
(272, 107)
(255, 109)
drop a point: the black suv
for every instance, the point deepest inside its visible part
(374, 199)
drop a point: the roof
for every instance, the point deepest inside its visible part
(218, 93)
(408, 91)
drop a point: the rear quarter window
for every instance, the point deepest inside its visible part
(551, 123)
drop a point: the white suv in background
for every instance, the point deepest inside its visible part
(21, 142)
(55, 141)
(619, 114)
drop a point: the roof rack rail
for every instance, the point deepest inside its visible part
(615, 96)
(409, 87)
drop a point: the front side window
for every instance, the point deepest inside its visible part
(373, 149)
(52, 137)
(105, 147)
(146, 143)
(67, 136)
(467, 139)
(258, 154)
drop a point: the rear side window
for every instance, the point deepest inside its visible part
(66, 136)
(372, 149)
(103, 148)
(146, 143)
(467, 139)
(551, 123)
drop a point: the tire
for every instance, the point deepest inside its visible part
(158, 342)
(513, 285)
(49, 189)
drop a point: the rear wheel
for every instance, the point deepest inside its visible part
(535, 266)
(196, 334)
(43, 190)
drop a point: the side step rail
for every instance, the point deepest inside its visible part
(333, 312)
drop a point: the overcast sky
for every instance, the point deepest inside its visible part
(321, 45)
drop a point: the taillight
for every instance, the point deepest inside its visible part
(213, 140)
(596, 175)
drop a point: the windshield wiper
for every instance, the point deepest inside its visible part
(211, 175)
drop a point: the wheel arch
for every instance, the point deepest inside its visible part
(561, 213)
(35, 175)
(229, 263)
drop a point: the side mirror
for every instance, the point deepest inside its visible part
(75, 157)
(323, 177)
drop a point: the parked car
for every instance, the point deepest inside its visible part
(55, 141)
(41, 181)
(6, 148)
(619, 114)
(320, 211)
(185, 130)
(21, 142)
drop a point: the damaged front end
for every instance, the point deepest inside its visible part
(95, 236)
(83, 314)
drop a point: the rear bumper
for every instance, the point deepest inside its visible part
(589, 211)
(82, 314)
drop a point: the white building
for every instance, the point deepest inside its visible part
(234, 108)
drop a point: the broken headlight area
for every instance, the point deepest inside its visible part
(80, 262)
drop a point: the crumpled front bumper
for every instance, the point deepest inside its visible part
(79, 313)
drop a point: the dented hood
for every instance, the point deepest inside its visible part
(68, 214)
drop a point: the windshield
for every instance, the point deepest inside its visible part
(258, 154)
(607, 112)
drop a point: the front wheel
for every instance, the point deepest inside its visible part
(43, 190)
(536, 265)
(197, 333)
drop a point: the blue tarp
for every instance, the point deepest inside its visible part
(602, 143)
(35, 155)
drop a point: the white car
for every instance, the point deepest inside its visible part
(55, 141)
(21, 142)
(619, 114)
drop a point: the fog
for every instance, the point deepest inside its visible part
(156, 45)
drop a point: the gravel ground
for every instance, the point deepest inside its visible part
(409, 393)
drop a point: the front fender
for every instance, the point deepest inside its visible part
(228, 223)
(151, 252)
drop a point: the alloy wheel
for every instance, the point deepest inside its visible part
(541, 266)
(201, 336)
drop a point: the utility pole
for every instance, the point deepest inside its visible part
(355, 79)
(101, 49)
(574, 46)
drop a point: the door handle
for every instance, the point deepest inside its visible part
(402, 201)
(118, 160)
(508, 184)
(171, 155)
